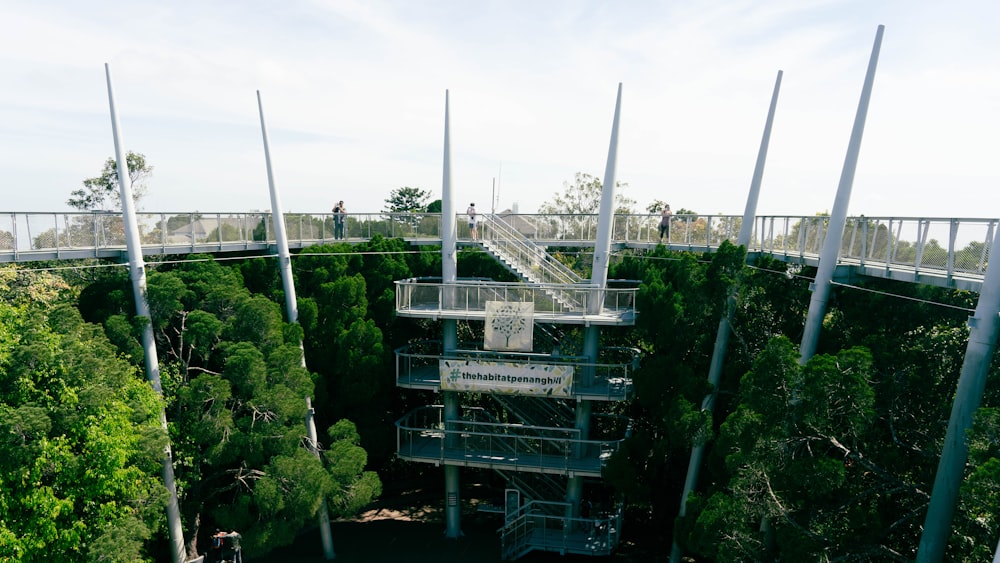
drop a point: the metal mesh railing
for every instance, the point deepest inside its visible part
(431, 297)
(474, 439)
(945, 247)
(538, 526)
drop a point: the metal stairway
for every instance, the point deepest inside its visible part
(535, 486)
(528, 260)
(537, 411)
(547, 526)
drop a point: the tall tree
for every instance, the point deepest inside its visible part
(680, 300)
(802, 486)
(102, 191)
(407, 199)
(236, 389)
(583, 197)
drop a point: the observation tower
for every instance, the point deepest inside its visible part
(536, 424)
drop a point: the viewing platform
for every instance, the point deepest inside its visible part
(418, 366)
(478, 440)
(465, 299)
(942, 251)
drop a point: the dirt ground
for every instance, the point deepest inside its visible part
(410, 528)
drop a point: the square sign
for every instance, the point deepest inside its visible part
(509, 326)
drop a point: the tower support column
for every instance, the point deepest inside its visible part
(449, 337)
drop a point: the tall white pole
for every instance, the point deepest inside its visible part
(292, 308)
(280, 233)
(984, 326)
(602, 247)
(722, 335)
(449, 232)
(137, 273)
(599, 278)
(838, 216)
(449, 327)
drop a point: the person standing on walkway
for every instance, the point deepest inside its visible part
(665, 216)
(471, 212)
(339, 213)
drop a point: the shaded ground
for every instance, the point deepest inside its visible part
(410, 527)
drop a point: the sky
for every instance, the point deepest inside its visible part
(353, 93)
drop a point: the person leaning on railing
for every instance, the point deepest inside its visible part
(665, 216)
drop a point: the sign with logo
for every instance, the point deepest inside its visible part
(509, 325)
(507, 378)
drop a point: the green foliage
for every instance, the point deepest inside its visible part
(81, 443)
(407, 199)
(771, 301)
(980, 493)
(680, 300)
(797, 459)
(347, 306)
(238, 390)
(98, 192)
(354, 487)
(831, 460)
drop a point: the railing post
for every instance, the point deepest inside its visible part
(923, 227)
(191, 230)
(803, 230)
(986, 246)
(874, 245)
(854, 237)
(13, 232)
(864, 240)
(163, 233)
(96, 236)
(55, 224)
(952, 235)
(895, 242)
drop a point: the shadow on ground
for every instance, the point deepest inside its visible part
(410, 527)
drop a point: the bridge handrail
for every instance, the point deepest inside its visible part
(946, 247)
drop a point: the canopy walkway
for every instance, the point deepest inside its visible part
(945, 252)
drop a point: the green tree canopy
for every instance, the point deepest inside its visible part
(80, 442)
(801, 486)
(237, 390)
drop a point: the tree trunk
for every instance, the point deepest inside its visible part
(192, 544)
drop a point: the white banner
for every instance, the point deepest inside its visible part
(509, 325)
(507, 378)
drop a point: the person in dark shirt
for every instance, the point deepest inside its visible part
(665, 217)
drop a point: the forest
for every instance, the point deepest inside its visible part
(833, 460)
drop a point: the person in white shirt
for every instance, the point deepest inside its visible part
(471, 212)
